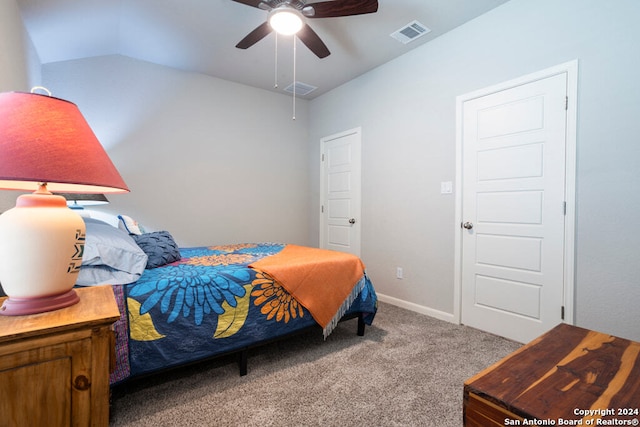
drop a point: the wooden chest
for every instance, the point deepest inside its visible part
(568, 376)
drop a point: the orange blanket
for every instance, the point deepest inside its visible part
(325, 282)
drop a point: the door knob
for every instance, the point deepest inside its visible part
(352, 221)
(468, 225)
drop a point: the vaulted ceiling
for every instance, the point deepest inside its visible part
(200, 36)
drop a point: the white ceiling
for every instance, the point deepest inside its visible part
(200, 36)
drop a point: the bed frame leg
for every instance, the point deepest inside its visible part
(361, 325)
(242, 362)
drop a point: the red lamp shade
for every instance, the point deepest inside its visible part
(46, 139)
(46, 145)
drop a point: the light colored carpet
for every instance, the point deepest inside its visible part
(408, 370)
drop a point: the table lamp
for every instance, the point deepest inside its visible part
(46, 145)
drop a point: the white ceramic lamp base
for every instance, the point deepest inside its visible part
(41, 246)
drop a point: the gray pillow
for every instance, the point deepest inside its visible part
(159, 246)
(94, 275)
(110, 256)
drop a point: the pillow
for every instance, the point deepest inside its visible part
(110, 256)
(94, 275)
(127, 224)
(160, 248)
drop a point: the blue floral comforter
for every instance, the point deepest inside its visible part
(208, 303)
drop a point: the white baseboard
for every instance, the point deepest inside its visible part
(441, 315)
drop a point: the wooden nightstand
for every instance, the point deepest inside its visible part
(54, 367)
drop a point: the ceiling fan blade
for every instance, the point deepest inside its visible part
(336, 8)
(255, 36)
(313, 42)
(254, 3)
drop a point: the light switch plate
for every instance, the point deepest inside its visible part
(446, 187)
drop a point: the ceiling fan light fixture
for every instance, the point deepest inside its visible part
(285, 20)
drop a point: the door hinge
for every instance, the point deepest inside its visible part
(322, 157)
(566, 103)
(562, 313)
(322, 209)
(564, 208)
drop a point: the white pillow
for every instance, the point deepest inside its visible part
(126, 223)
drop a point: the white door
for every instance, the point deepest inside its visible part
(513, 209)
(340, 192)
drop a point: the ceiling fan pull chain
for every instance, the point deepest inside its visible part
(275, 83)
(295, 39)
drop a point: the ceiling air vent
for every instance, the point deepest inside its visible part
(410, 32)
(302, 89)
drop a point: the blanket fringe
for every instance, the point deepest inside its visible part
(344, 307)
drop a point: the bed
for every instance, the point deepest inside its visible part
(182, 305)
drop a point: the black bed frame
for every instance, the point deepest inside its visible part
(243, 354)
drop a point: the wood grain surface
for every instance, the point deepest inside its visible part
(569, 374)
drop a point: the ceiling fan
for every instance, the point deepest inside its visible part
(296, 11)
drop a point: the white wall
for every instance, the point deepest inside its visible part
(407, 112)
(212, 162)
(19, 66)
(18, 59)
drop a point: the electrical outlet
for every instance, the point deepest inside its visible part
(399, 273)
